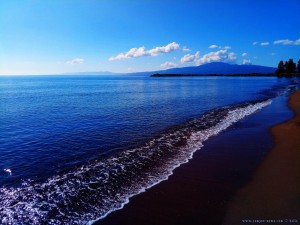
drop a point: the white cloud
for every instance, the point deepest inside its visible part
(164, 49)
(255, 43)
(227, 47)
(132, 53)
(185, 49)
(219, 56)
(75, 61)
(246, 62)
(190, 58)
(168, 65)
(264, 43)
(213, 46)
(244, 54)
(138, 52)
(287, 42)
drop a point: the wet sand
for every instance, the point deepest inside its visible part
(274, 192)
(200, 192)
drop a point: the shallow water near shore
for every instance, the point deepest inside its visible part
(76, 148)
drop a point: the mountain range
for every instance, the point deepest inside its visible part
(205, 69)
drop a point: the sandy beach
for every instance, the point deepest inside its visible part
(274, 192)
(201, 191)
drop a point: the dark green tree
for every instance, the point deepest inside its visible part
(290, 66)
(298, 66)
(281, 68)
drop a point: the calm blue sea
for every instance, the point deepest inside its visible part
(74, 148)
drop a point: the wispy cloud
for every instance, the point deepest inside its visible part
(261, 43)
(227, 47)
(75, 61)
(218, 56)
(141, 51)
(168, 65)
(287, 42)
(279, 42)
(247, 62)
(213, 46)
(244, 54)
(264, 43)
(185, 49)
(131, 69)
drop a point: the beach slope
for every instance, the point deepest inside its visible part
(273, 195)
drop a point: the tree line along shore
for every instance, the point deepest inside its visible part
(288, 68)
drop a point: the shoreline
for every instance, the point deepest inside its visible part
(226, 75)
(274, 192)
(198, 192)
(216, 75)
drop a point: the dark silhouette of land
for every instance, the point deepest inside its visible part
(217, 75)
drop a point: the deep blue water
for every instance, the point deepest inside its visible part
(78, 129)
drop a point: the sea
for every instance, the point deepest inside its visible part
(75, 148)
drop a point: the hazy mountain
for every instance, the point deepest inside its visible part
(209, 68)
(92, 73)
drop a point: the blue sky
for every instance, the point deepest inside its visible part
(59, 36)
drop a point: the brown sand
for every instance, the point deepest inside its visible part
(274, 192)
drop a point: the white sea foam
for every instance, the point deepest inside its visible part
(8, 171)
